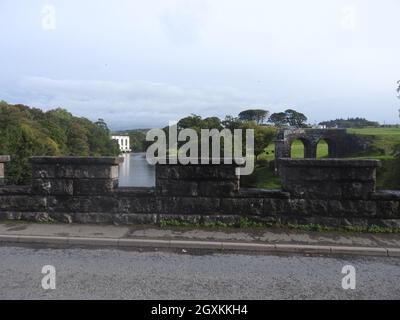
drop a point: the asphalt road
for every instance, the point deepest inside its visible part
(117, 274)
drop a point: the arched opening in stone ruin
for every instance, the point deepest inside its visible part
(322, 149)
(326, 148)
(298, 149)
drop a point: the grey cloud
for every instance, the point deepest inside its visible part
(133, 104)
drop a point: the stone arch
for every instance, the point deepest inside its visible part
(337, 139)
(307, 143)
(332, 146)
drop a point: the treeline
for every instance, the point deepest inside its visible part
(263, 134)
(350, 123)
(256, 119)
(26, 132)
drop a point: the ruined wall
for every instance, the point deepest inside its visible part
(340, 143)
(85, 190)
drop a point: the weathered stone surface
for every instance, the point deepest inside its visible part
(138, 205)
(94, 186)
(388, 209)
(242, 206)
(262, 193)
(53, 186)
(77, 160)
(23, 203)
(93, 217)
(177, 188)
(135, 219)
(218, 188)
(329, 178)
(15, 190)
(333, 193)
(352, 208)
(189, 205)
(196, 172)
(58, 171)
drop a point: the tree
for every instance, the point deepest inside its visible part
(296, 119)
(101, 123)
(26, 132)
(231, 123)
(257, 115)
(279, 119)
(77, 141)
(263, 136)
(193, 121)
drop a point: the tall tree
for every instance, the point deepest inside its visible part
(279, 119)
(257, 115)
(102, 124)
(296, 119)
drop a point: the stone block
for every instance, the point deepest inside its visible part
(189, 205)
(53, 187)
(196, 172)
(329, 178)
(388, 209)
(242, 206)
(94, 186)
(177, 187)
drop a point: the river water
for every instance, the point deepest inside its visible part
(135, 171)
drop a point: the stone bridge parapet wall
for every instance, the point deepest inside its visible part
(333, 192)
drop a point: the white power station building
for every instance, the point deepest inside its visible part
(123, 142)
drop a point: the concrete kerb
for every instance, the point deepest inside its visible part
(207, 245)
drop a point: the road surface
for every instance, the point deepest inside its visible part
(83, 273)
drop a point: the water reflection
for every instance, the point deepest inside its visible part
(135, 171)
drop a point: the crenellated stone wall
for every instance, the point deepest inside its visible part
(333, 192)
(74, 176)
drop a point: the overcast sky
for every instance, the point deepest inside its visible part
(139, 64)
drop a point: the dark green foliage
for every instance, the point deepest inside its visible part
(350, 123)
(290, 118)
(26, 132)
(257, 115)
(279, 119)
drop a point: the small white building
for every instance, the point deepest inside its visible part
(123, 142)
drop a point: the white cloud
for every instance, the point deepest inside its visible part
(136, 103)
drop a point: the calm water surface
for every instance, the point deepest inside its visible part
(135, 171)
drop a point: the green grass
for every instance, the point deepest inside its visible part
(262, 177)
(297, 151)
(382, 138)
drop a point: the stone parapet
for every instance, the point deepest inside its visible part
(197, 180)
(331, 192)
(73, 176)
(329, 178)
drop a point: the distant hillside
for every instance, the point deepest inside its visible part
(26, 132)
(350, 123)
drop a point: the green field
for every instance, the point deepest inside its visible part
(383, 139)
(297, 151)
